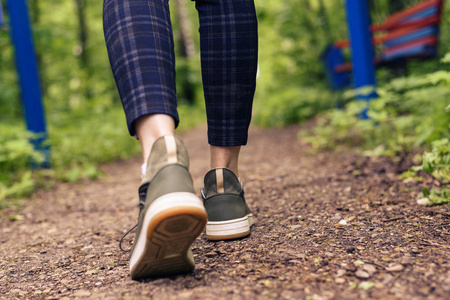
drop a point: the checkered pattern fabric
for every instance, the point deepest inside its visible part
(139, 40)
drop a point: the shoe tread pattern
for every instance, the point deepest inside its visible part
(166, 251)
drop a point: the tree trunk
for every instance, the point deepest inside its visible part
(81, 50)
(324, 20)
(396, 5)
(82, 32)
(186, 41)
(186, 50)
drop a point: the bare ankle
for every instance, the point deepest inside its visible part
(151, 127)
(225, 157)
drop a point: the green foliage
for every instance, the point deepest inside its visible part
(402, 118)
(437, 163)
(409, 113)
(86, 123)
(16, 155)
(9, 107)
(291, 105)
(16, 149)
(435, 196)
(291, 84)
(189, 83)
(292, 34)
(79, 143)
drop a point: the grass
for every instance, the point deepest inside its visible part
(79, 143)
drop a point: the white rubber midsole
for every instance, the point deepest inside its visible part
(229, 227)
(165, 202)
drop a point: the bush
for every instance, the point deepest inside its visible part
(291, 106)
(79, 143)
(437, 163)
(409, 113)
(16, 156)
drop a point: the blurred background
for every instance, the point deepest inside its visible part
(86, 124)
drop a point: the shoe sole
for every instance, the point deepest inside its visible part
(230, 229)
(171, 224)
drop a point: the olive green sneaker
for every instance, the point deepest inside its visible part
(229, 216)
(171, 215)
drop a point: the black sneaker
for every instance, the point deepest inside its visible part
(228, 214)
(171, 215)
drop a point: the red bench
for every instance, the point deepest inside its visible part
(412, 33)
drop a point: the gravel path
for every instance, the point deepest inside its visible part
(328, 226)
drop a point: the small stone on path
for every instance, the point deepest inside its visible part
(369, 269)
(362, 274)
(81, 293)
(395, 268)
(339, 280)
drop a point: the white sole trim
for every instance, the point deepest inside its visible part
(171, 224)
(230, 229)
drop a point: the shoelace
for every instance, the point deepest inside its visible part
(141, 206)
(124, 236)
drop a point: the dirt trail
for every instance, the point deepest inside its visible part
(66, 244)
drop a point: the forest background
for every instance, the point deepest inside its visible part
(87, 126)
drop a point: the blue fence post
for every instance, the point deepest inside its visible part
(27, 69)
(362, 54)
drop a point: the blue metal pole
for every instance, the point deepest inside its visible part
(27, 69)
(358, 20)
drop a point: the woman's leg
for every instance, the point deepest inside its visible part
(229, 56)
(229, 50)
(140, 46)
(139, 40)
(151, 127)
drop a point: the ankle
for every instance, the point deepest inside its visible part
(225, 157)
(151, 127)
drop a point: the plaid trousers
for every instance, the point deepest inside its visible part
(140, 46)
